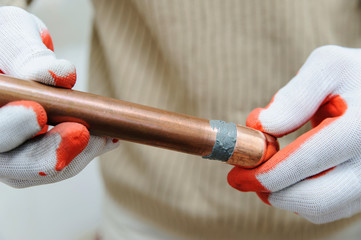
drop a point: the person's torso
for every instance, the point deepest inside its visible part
(215, 60)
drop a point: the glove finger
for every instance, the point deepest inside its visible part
(20, 121)
(332, 142)
(97, 146)
(44, 33)
(320, 197)
(48, 153)
(299, 100)
(345, 211)
(24, 50)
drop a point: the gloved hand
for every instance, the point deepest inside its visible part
(318, 176)
(29, 155)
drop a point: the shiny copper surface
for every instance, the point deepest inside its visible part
(252, 147)
(133, 122)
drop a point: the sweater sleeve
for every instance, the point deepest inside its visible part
(17, 3)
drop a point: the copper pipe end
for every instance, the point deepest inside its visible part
(252, 148)
(272, 146)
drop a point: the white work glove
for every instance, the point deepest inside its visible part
(318, 176)
(29, 155)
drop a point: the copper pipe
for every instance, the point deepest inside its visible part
(137, 123)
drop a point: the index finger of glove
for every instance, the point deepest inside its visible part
(20, 121)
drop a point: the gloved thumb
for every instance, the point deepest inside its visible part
(296, 103)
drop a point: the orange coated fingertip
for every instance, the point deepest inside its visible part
(36, 107)
(264, 196)
(66, 82)
(245, 180)
(46, 39)
(333, 106)
(43, 130)
(253, 120)
(74, 139)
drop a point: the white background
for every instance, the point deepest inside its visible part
(66, 210)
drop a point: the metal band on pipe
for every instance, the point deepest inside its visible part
(225, 140)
